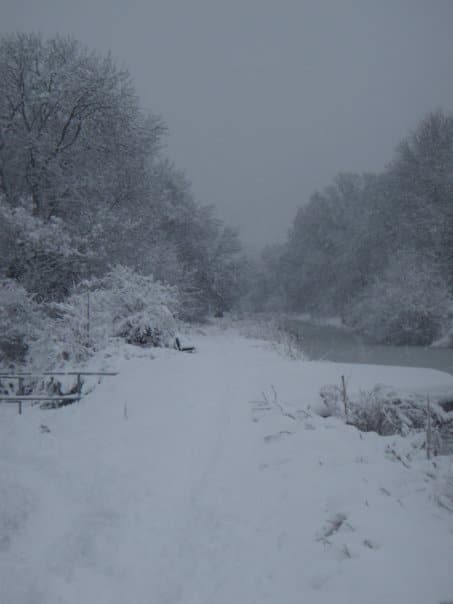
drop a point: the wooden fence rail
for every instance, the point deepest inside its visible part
(58, 399)
(45, 373)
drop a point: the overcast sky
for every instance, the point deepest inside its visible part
(267, 100)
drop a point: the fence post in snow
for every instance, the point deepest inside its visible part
(79, 385)
(20, 391)
(344, 395)
(88, 318)
(428, 429)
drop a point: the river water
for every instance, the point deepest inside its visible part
(329, 343)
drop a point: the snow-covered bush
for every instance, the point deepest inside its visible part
(151, 326)
(20, 322)
(122, 303)
(408, 304)
(332, 401)
(382, 410)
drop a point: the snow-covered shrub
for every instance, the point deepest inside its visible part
(374, 411)
(408, 304)
(20, 322)
(332, 401)
(383, 410)
(152, 326)
(122, 303)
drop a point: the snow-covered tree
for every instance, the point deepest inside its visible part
(422, 190)
(72, 136)
(41, 255)
(347, 244)
(407, 304)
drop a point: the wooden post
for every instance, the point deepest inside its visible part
(19, 392)
(79, 385)
(428, 430)
(88, 318)
(344, 395)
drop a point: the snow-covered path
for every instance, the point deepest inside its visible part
(172, 483)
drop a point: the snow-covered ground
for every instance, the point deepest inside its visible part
(175, 482)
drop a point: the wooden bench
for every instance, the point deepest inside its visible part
(183, 348)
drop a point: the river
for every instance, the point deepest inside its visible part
(329, 343)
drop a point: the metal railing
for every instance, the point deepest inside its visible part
(58, 399)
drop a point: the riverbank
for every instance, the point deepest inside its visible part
(209, 478)
(331, 341)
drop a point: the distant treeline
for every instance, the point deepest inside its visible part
(375, 249)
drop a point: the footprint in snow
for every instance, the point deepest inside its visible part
(278, 436)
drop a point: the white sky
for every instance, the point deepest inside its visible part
(267, 100)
